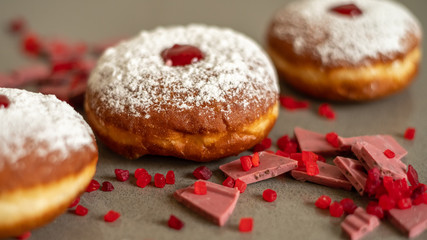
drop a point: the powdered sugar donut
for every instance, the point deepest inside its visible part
(219, 103)
(48, 156)
(345, 50)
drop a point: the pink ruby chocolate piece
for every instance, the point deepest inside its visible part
(353, 171)
(271, 165)
(329, 175)
(314, 142)
(412, 221)
(371, 156)
(216, 205)
(359, 223)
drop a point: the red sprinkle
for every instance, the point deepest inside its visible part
(420, 199)
(175, 223)
(240, 185)
(143, 180)
(336, 209)
(111, 216)
(263, 145)
(75, 202)
(412, 176)
(139, 172)
(228, 182)
(390, 154)
(17, 25)
(159, 180)
(309, 159)
(269, 195)
(181, 55)
(24, 236)
(31, 44)
(348, 205)
(255, 159)
(93, 186)
(81, 211)
(107, 186)
(332, 139)
(409, 133)
(246, 224)
(170, 177)
(326, 111)
(323, 202)
(386, 202)
(350, 10)
(246, 162)
(121, 175)
(287, 144)
(292, 104)
(202, 173)
(404, 203)
(373, 181)
(283, 154)
(4, 101)
(200, 188)
(374, 209)
(418, 190)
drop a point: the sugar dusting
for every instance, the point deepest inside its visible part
(50, 124)
(132, 76)
(379, 31)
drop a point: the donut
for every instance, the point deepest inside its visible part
(343, 50)
(194, 92)
(48, 156)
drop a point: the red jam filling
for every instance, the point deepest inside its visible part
(181, 55)
(350, 10)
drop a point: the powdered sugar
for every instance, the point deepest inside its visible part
(46, 122)
(133, 77)
(379, 31)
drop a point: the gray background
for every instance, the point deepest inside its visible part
(145, 211)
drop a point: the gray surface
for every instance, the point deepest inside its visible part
(146, 211)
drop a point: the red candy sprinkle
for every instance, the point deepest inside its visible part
(246, 162)
(323, 202)
(332, 139)
(240, 185)
(111, 216)
(348, 205)
(4, 101)
(24, 236)
(418, 190)
(181, 55)
(420, 199)
(390, 154)
(17, 25)
(107, 186)
(202, 173)
(269, 195)
(309, 159)
(255, 159)
(336, 209)
(263, 145)
(170, 177)
(374, 209)
(93, 186)
(404, 203)
(287, 144)
(139, 172)
(121, 175)
(228, 182)
(175, 223)
(412, 176)
(292, 104)
(326, 111)
(246, 224)
(200, 188)
(283, 154)
(74, 203)
(80, 210)
(386, 202)
(409, 133)
(350, 10)
(159, 180)
(373, 181)
(143, 180)
(31, 44)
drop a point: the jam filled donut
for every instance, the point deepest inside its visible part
(345, 50)
(48, 156)
(194, 92)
